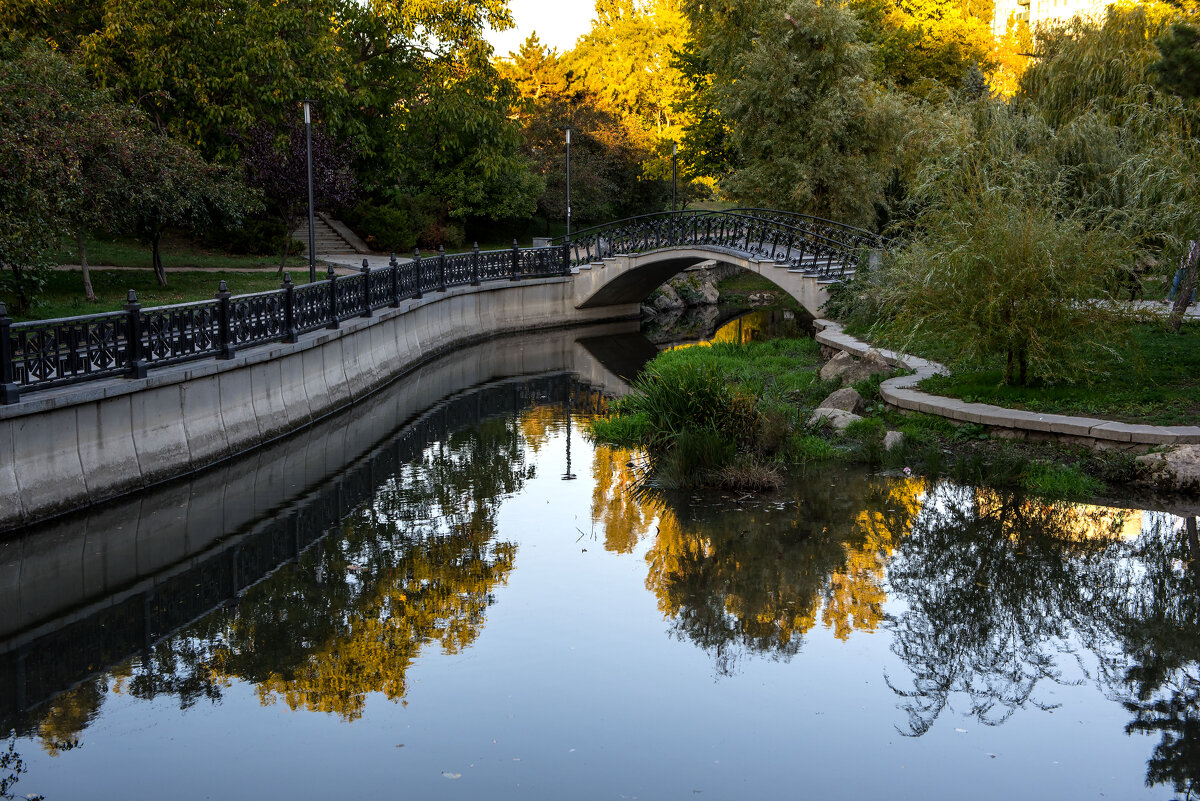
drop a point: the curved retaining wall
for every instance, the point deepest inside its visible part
(1014, 423)
(74, 447)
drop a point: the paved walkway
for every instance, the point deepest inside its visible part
(900, 392)
(351, 262)
(1164, 307)
(343, 264)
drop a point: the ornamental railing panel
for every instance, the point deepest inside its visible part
(54, 352)
(257, 318)
(311, 304)
(172, 334)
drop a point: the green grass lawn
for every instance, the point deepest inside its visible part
(178, 253)
(63, 294)
(737, 288)
(1156, 381)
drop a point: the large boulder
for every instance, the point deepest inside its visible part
(847, 399)
(695, 289)
(1177, 469)
(837, 366)
(840, 419)
(849, 370)
(665, 298)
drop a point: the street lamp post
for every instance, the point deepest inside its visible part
(312, 234)
(674, 172)
(568, 183)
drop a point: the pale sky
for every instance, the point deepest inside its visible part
(558, 24)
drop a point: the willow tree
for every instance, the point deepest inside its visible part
(1001, 264)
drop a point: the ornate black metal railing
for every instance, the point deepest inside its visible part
(49, 353)
(797, 241)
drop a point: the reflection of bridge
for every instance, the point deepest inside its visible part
(89, 592)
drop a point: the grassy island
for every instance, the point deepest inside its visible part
(738, 416)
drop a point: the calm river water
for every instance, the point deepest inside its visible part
(451, 593)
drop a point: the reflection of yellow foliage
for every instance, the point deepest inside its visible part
(767, 589)
(741, 331)
(437, 593)
(1079, 521)
(856, 595)
(68, 715)
(537, 423)
(624, 517)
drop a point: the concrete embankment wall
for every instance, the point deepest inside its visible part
(77, 446)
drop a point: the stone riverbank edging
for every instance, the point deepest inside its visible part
(1096, 433)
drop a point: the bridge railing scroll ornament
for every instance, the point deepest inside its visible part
(44, 354)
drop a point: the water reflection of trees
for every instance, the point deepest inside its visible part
(734, 578)
(1002, 592)
(415, 566)
(1159, 625)
(1001, 597)
(998, 589)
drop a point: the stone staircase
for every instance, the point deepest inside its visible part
(332, 237)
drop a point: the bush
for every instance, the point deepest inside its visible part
(388, 229)
(258, 237)
(690, 396)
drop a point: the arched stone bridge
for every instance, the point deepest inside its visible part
(622, 262)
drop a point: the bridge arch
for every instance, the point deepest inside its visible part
(630, 279)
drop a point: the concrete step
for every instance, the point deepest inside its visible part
(327, 238)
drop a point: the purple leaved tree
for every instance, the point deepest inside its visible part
(279, 168)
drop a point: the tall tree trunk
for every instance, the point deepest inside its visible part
(87, 276)
(288, 224)
(19, 288)
(1184, 299)
(159, 271)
